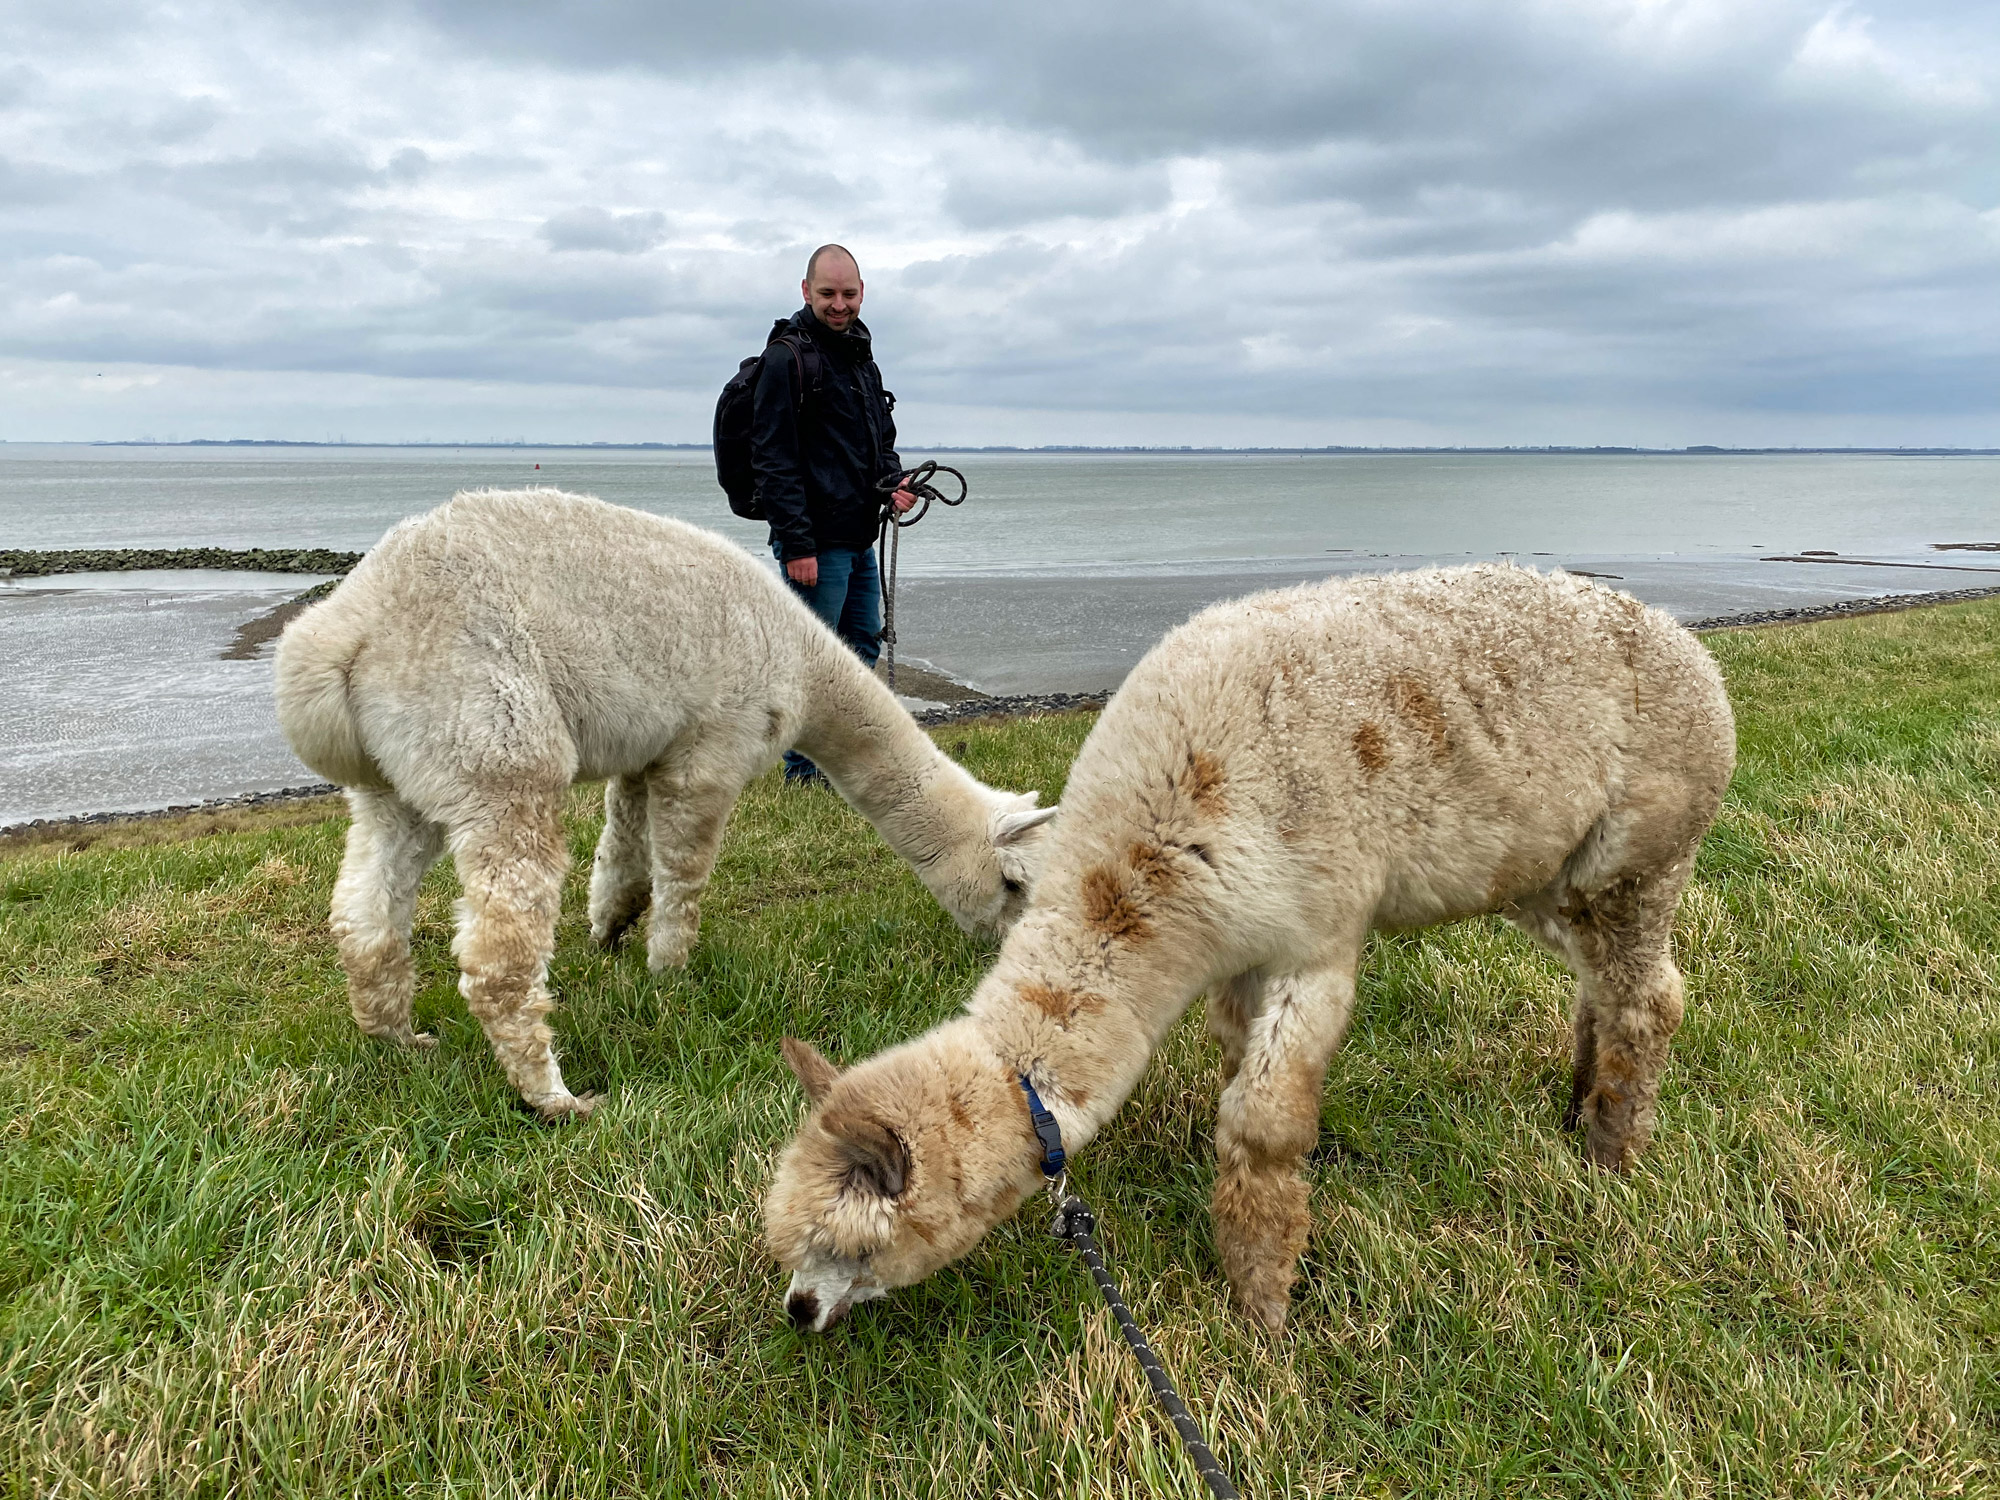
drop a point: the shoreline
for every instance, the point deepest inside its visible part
(1841, 609)
(39, 562)
(219, 812)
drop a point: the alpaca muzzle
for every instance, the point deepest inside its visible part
(815, 1302)
(803, 1309)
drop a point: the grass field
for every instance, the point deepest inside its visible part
(245, 1251)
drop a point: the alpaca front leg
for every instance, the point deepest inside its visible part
(389, 847)
(687, 816)
(1629, 1005)
(512, 871)
(620, 873)
(1231, 1005)
(1583, 1064)
(1633, 1022)
(1541, 918)
(1268, 1121)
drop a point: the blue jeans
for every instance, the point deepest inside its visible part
(848, 599)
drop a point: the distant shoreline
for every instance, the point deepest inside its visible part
(1697, 450)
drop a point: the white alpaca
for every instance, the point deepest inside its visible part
(483, 657)
(1275, 778)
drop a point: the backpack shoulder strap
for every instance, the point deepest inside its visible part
(805, 358)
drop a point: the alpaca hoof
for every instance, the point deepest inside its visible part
(1268, 1313)
(402, 1036)
(670, 954)
(423, 1041)
(567, 1107)
(1604, 1152)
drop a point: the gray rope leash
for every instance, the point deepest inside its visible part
(918, 482)
(1075, 1223)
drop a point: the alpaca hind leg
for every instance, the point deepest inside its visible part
(1268, 1121)
(689, 799)
(389, 847)
(620, 873)
(511, 862)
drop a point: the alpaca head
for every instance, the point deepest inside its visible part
(984, 883)
(904, 1164)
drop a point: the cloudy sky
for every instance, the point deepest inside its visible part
(1348, 221)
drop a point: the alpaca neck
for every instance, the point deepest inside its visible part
(1084, 1030)
(920, 800)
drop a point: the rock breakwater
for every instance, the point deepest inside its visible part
(27, 563)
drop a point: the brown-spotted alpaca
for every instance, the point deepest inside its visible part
(1278, 776)
(484, 656)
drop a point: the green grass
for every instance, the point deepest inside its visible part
(244, 1250)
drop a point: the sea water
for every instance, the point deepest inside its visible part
(1056, 574)
(1035, 513)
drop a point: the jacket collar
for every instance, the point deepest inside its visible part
(856, 342)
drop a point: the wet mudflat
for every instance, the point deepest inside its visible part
(125, 697)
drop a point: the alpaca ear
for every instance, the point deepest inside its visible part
(878, 1162)
(815, 1073)
(1008, 827)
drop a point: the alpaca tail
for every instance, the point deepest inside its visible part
(316, 654)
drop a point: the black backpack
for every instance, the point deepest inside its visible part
(732, 416)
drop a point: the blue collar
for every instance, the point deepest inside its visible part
(1046, 1131)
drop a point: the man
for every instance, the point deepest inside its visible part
(821, 440)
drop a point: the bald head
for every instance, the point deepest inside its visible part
(833, 287)
(840, 252)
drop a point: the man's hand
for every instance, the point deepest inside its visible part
(804, 571)
(902, 500)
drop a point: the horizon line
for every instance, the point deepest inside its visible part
(1910, 450)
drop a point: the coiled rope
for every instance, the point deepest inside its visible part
(918, 482)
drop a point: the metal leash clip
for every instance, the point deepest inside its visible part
(1073, 1215)
(1060, 1200)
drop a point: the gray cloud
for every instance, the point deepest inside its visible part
(181, 122)
(25, 184)
(1190, 76)
(16, 80)
(1216, 219)
(1007, 191)
(600, 229)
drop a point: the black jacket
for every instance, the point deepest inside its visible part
(817, 470)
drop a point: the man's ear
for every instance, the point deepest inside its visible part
(878, 1162)
(815, 1073)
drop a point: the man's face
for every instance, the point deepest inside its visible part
(833, 291)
